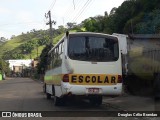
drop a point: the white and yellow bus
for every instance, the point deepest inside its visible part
(84, 64)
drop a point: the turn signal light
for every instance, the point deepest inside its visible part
(120, 79)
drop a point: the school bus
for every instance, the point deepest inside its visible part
(84, 64)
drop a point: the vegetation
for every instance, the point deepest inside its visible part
(42, 65)
(133, 16)
(4, 67)
(29, 45)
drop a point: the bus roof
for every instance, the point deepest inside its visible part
(86, 33)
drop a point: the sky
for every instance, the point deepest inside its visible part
(19, 16)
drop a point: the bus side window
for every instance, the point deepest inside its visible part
(52, 62)
(48, 61)
(57, 52)
(60, 48)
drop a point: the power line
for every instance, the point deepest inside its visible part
(86, 8)
(52, 5)
(74, 4)
(82, 10)
(69, 11)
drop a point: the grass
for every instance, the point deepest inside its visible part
(10, 45)
(40, 48)
(17, 41)
(34, 53)
(56, 39)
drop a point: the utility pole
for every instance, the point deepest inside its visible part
(50, 25)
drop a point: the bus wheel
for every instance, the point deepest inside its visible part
(157, 87)
(59, 101)
(48, 96)
(96, 100)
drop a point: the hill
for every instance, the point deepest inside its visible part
(26, 46)
(36, 52)
(133, 16)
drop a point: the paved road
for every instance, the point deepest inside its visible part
(24, 94)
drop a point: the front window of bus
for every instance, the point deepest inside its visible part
(93, 48)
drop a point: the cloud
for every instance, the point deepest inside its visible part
(4, 10)
(24, 16)
(4, 34)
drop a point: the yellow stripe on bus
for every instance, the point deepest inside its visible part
(93, 79)
(53, 79)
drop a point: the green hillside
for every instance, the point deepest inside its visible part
(40, 48)
(26, 46)
(10, 45)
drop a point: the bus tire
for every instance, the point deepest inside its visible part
(57, 101)
(157, 87)
(53, 90)
(48, 96)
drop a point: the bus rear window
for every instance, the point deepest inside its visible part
(93, 48)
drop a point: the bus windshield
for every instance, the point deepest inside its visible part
(93, 48)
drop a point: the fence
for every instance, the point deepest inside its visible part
(142, 66)
(153, 54)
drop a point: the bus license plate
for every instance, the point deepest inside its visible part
(93, 90)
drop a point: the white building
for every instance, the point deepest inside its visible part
(24, 63)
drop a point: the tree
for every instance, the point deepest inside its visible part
(61, 29)
(150, 23)
(112, 12)
(4, 67)
(139, 16)
(106, 14)
(2, 39)
(42, 41)
(70, 25)
(13, 36)
(44, 59)
(90, 24)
